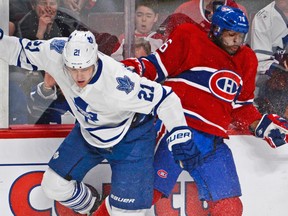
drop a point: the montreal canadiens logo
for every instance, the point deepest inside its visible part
(225, 84)
(162, 173)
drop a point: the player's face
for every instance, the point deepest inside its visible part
(81, 76)
(230, 41)
(145, 19)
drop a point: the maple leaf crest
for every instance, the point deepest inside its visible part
(57, 45)
(125, 84)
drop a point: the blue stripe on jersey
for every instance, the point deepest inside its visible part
(161, 76)
(200, 77)
(34, 67)
(105, 127)
(164, 96)
(264, 52)
(108, 140)
(98, 72)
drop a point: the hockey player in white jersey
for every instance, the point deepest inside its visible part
(269, 39)
(114, 109)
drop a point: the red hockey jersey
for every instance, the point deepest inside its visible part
(215, 88)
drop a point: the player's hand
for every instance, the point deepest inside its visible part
(134, 64)
(273, 129)
(49, 81)
(185, 152)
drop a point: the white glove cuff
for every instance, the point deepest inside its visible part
(178, 136)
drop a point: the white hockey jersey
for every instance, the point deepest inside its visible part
(106, 106)
(269, 35)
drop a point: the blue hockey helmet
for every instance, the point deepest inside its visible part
(229, 18)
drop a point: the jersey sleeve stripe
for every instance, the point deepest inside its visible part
(194, 115)
(164, 96)
(161, 70)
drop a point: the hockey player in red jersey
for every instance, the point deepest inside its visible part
(214, 77)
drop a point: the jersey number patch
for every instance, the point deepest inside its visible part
(147, 93)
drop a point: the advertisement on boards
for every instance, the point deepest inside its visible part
(263, 174)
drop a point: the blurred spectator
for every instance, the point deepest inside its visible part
(106, 42)
(77, 8)
(269, 39)
(201, 11)
(77, 5)
(108, 6)
(142, 47)
(18, 9)
(45, 21)
(146, 16)
(171, 22)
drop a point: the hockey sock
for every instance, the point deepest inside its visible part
(156, 196)
(102, 209)
(226, 207)
(82, 200)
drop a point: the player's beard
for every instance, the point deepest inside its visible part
(231, 49)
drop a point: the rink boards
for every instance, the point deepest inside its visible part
(263, 174)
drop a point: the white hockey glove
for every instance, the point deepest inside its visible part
(181, 144)
(273, 129)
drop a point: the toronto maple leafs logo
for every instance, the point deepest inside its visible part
(81, 106)
(125, 84)
(57, 45)
(90, 39)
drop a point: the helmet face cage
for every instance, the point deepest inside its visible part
(229, 18)
(80, 50)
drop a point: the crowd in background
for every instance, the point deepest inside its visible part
(35, 98)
